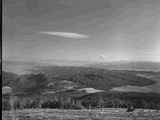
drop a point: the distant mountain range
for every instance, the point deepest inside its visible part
(126, 65)
(21, 67)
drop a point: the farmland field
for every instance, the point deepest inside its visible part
(103, 114)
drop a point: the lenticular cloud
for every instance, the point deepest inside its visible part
(66, 35)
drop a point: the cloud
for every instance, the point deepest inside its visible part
(102, 57)
(66, 35)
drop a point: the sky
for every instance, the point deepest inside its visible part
(83, 30)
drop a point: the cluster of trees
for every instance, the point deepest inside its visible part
(8, 78)
(28, 84)
(32, 83)
(37, 103)
(123, 100)
(107, 100)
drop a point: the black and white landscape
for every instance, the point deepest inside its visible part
(81, 59)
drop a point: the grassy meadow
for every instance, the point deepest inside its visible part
(94, 114)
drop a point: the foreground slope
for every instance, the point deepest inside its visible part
(105, 114)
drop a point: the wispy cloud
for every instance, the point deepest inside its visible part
(66, 35)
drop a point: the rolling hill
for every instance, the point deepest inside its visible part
(64, 78)
(92, 77)
(97, 75)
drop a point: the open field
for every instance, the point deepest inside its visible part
(105, 114)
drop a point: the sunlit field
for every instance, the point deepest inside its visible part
(94, 114)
